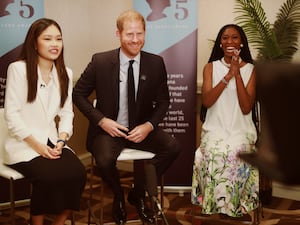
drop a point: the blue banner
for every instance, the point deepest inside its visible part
(16, 16)
(167, 22)
(171, 31)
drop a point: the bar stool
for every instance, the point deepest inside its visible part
(12, 175)
(7, 172)
(128, 154)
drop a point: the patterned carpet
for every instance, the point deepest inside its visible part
(177, 208)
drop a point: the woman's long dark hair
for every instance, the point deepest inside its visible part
(217, 52)
(30, 55)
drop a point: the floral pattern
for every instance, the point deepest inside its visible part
(222, 183)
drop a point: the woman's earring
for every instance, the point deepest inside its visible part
(241, 45)
(221, 45)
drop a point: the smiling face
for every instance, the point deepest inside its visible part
(230, 41)
(49, 44)
(132, 37)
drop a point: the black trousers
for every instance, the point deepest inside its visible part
(106, 150)
(57, 184)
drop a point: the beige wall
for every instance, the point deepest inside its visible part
(89, 26)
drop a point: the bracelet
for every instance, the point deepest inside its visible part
(63, 141)
(224, 81)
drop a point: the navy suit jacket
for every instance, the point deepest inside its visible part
(102, 76)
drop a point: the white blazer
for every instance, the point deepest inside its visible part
(36, 118)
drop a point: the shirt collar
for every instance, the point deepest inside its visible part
(53, 75)
(124, 59)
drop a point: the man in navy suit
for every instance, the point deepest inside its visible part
(109, 129)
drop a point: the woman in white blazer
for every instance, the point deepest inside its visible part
(39, 115)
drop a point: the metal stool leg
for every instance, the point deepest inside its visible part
(90, 193)
(101, 201)
(72, 219)
(162, 191)
(90, 211)
(151, 183)
(12, 201)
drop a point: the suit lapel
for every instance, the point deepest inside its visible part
(115, 62)
(143, 76)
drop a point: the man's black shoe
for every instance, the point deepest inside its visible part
(119, 212)
(145, 214)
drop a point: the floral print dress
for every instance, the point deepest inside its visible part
(223, 183)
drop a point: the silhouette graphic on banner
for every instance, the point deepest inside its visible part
(3, 5)
(157, 8)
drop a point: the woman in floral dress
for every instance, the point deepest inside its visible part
(223, 183)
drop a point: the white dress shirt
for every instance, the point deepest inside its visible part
(123, 98)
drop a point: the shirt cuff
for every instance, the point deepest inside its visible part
(152, 127)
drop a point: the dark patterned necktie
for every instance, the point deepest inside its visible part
(131, 96)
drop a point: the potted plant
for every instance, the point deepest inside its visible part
(273, 42)
(278, 41)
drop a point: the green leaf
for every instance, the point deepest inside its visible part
(287, 28)
(278, 42)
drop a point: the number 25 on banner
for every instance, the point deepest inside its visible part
(184, 11)
(27, 10)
